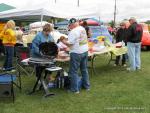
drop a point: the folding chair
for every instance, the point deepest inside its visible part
(21, 54)
(7, 80)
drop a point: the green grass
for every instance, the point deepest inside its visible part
(113, 90)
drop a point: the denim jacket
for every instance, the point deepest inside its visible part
(39, 38)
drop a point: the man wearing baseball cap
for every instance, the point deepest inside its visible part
(78, 43)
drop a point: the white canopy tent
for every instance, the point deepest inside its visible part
(51, 11)
(27, 14)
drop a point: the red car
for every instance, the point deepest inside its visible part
(145, 37)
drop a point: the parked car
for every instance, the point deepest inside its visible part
(63, 29)
(145, 37)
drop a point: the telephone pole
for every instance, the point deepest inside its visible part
(78, 3)
(115, 7)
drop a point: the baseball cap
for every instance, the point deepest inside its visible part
(72, 21)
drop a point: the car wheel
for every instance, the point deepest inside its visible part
(147, 47)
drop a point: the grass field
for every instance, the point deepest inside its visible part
(113, 90)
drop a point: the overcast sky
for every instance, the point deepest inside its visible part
(125, 8)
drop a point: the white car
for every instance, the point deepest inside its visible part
(35, 28)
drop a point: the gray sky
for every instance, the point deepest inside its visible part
(125, 8)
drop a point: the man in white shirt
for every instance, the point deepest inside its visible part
(78, 43)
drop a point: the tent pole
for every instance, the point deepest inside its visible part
(78, 3)
(115, 7)
(99, 20)
(41, 19)
(100, 24)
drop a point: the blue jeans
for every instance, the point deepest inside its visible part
(79, 61)
(134, 52)
(9, 50)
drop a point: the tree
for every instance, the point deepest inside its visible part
(147, 22)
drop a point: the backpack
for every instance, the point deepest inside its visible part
(62, 81)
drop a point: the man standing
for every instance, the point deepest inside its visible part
(78, 43)
(134, 37)
(121, 36)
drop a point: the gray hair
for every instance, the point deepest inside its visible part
(133, 19)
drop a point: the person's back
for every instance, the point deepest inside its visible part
(79, 37)
(8, 37)
(77, 41)
(135, 32)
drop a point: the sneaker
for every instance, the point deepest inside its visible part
(115, 65)
(124, 65)
(88, 89)
(13, 70)
(128, 69)
(75, 92)
(4, 69)
(39, 82)
(8, 69)
(2, 54)
(138, 68)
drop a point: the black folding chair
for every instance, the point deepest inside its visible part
(21, 54)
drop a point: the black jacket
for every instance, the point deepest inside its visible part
(135, 32)
(121, 35)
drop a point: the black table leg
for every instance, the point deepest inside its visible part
(47, 93)
(35, 86)
(92, 64)
(43, 84)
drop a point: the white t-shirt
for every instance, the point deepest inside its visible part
(78, 38)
